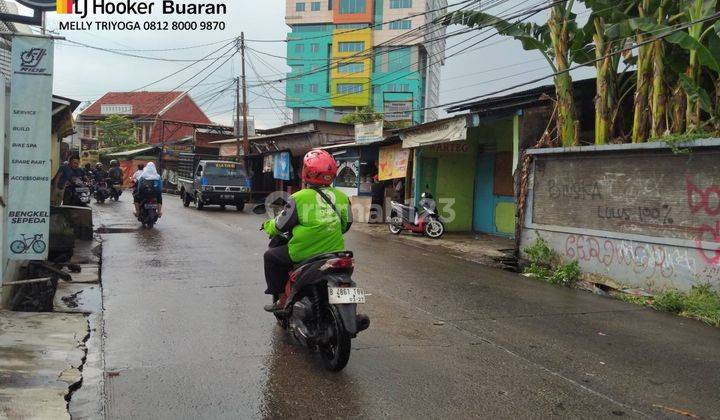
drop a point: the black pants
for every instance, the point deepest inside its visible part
(277, 269)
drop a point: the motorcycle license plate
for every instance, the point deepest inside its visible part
(151, 206)
(342, 295)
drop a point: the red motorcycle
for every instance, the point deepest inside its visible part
(425, 220)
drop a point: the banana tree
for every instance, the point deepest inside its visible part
(696, 11)
(607, 60)
(693, 40)
(558, 40)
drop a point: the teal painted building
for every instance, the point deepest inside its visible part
(343, 56)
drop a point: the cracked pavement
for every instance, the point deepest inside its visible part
(185, 336)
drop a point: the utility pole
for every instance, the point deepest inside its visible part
(246, 140)
(237, 116)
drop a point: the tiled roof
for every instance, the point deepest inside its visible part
(143, 103)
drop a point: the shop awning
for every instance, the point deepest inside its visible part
(436, 132)
(131, 153)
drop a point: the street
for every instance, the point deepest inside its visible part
(185, 335)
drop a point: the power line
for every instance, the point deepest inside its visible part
(144, 57)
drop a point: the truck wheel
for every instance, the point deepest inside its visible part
(186, 199)
(240, 206)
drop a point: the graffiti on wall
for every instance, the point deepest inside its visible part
(707, 201)
(659, 195)
(650, 261)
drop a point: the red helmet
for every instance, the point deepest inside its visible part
(319, 168)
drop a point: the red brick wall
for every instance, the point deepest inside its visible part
(184, 110)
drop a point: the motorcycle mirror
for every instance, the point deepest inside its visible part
(260, 209)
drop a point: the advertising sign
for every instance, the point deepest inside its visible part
(369, 133)
(393, 162)
(282, 167)
(28, 221)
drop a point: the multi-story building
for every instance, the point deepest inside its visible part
(347, 54)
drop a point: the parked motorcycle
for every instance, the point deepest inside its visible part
(102, 191)
(77, 193)
(424, 220)
(320, 305)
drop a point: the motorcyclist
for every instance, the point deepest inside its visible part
(88, 171)
(115, 173)
(316, 217)
(100, 174)
(68, 171)
(148, 184)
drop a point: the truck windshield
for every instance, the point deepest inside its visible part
(223, 173)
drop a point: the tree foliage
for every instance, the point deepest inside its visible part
(116, 130)
(673, 46)
(368, 115)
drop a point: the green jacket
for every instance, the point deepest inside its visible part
(316, 228)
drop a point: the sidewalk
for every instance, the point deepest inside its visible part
(489, 250)
(50, 363)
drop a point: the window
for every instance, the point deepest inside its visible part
(400, 4)
(298, 88)
(314, 48)
(299, 7)
(315, 6)
(351, 68)
(299, 48)
(330, 4)
(352, 6)
(401, 24)
(351, 46)
(349, 88)
(313, 88)
(352, 25)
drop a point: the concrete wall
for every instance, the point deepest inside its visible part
(638, 214)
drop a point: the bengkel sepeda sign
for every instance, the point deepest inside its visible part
(28, 207)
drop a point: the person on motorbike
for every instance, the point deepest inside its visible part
(115, 173)
(148, 184)
(100, 174)
(316, 217)
(64, 175)
(136, 175)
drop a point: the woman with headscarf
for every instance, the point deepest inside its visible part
(148, 184)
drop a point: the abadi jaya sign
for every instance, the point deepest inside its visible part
(28, 221)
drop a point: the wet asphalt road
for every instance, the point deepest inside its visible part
(185, 336)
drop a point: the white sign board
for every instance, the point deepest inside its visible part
(435, 133)
(369, 133)
(28, 216)
(114, 109)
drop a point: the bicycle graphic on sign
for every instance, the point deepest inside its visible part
(25, 244)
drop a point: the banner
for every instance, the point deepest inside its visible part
(30, 148)
(454, 129)
(393, 162)
(369, 133)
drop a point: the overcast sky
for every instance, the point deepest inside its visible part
(86, 74)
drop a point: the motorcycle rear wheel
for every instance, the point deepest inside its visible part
(336, 353)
